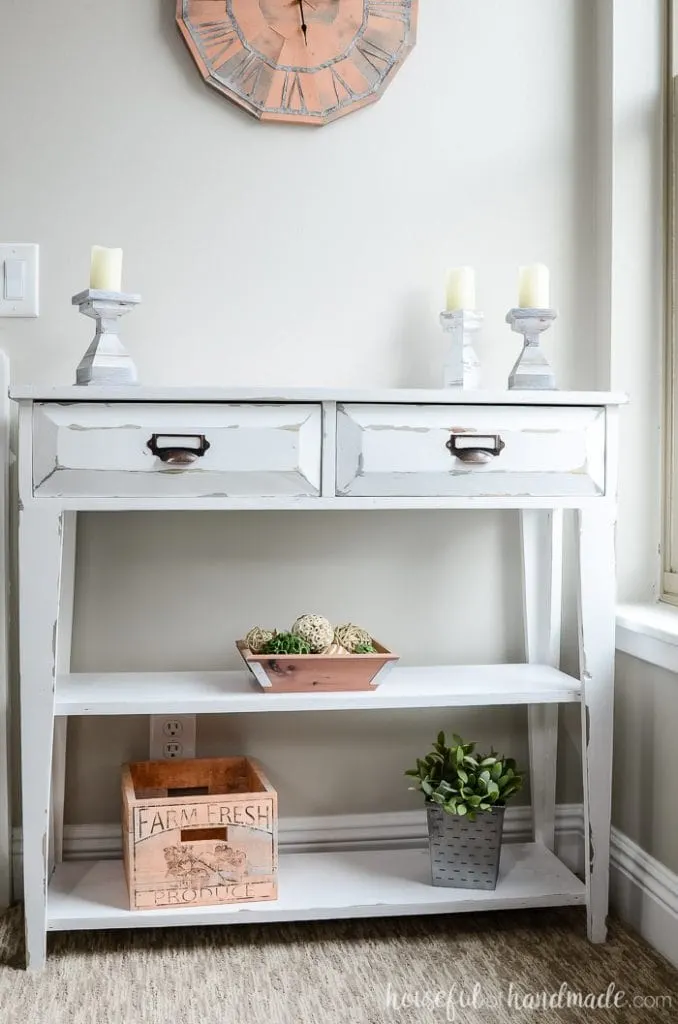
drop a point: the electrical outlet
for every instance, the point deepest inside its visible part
(172, 736)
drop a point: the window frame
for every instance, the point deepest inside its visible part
(669, 549)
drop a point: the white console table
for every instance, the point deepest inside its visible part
(100, 449)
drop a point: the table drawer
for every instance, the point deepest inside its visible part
(427, 451)
(151, 449)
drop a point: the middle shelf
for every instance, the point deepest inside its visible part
(433, 686)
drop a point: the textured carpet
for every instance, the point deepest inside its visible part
(358, 972)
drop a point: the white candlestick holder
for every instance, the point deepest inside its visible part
(532, 371)
(462, 367)
(106, 361)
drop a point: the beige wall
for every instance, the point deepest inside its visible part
(267, 254)
(172, 591)
(646, 758)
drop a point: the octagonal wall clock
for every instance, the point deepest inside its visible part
(305, 61)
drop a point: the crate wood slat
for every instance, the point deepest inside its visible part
(198, 832)
(320, 673)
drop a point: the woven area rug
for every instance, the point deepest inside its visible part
(470, 968)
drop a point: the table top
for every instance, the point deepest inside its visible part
(417, 396)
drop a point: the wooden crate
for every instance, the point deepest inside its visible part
(199, 832)
(299, 673)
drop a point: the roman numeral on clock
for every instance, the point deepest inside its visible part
(396, 10)
(375, 55)
(342, 90)
(244, 74)
(293, 93)
(218, 39)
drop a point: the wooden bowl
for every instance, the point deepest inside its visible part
(300, 673)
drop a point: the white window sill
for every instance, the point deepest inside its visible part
(649, 632)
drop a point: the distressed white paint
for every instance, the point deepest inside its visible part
(5, 813)
(425, 396)
(645, 890)
(87, 446)
(402, 450)
(317, 886)
(106, 361)
(329, 452)
(406, 686)
(597, 592)
(99, 449)
(461, 366)
(63, 661)
(308, 504)
(40, 563)
(531, 370)
(542, 544)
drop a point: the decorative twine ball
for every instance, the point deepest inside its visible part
(336, 651)
(316, 630)
(257, 638)
(350, 637)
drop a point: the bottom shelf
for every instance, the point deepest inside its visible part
(314, 886)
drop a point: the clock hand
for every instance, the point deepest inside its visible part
(304, 26)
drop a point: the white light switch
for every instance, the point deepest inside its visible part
(15, 276)
(18, 279)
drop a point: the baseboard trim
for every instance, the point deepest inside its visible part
(397, 829)
(644, 892)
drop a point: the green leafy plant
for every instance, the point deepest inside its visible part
(462, 782)
(286, 643)
(364, 649)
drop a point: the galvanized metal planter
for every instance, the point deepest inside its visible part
(465, 854)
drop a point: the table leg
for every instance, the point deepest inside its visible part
(63, 662)
(541, 538)
(40, 558)
(596, 666)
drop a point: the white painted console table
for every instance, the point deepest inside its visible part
(100, 449)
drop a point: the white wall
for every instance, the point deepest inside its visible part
(270, 254)
(631, 238)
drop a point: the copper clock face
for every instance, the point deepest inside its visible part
(309, 61)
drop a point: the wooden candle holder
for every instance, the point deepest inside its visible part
(532, 370)
(461, 367)
(106, 361)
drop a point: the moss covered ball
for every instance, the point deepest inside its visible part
(257, 638)
(316, 630)
(351, 637)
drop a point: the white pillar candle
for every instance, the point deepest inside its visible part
(106, 269)
(461, 288)
(533, 287)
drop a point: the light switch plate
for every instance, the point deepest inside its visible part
(12, 254)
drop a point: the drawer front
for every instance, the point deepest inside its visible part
(134, 449)
(402, 450)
